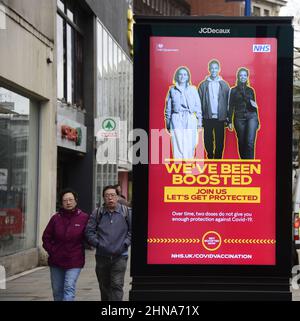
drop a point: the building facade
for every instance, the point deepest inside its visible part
(296, 109)
(161, 7)
(65, 66)
(27, 126)
(65, 89)
(267, 7)
(216, 7)
(235, 8)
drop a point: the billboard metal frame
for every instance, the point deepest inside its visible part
(169, 281)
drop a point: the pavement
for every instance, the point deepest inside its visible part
(34, 285)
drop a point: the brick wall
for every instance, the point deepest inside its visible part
(216, 7)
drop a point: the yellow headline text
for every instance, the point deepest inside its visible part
(213, 173)
(211, 194)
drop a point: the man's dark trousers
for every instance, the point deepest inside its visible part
(110, 273)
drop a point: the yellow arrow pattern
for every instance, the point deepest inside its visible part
(194, 241)
(249, 241)
(173, 240)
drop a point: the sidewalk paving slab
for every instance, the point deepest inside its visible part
(36, 286)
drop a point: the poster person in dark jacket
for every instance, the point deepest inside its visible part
(109, 231)
(243, 110)
(213, 92)
(63, 239)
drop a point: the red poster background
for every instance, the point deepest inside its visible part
(181, 242)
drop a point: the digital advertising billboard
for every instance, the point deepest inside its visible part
(206, 208)
(213, 195)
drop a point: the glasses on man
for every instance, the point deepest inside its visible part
(68, 200)
(108, 195)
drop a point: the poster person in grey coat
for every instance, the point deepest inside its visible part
(183, 115)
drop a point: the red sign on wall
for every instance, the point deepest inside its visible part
(72, 134)
(207, 207)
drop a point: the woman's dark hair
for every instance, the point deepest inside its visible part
(65, 191)
(109, 187)
(177, 73)
(238, 74)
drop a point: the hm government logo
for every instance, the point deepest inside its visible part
(161, 47)
(213, 31)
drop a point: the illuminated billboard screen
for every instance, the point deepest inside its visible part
(214, 201)
(213, 115)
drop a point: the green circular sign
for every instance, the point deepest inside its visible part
(109, 124)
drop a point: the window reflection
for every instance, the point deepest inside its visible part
(61, 5)
(99, 49)
(69, 64)
(110, 53)
(114, 87)
(70, 14)
(17, 159)
(105, 51)
(105, 73)
(69, 54)
(60, 58)
(110, 79)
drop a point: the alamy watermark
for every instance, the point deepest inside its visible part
(2, 17)
(296, 277)
(153, 147)
(2, 278)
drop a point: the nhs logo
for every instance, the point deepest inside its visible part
(261, 48)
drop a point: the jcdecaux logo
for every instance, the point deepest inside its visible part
(213, 30)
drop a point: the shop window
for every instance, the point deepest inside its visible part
(18, 172)
(61, 5)
(69, 53)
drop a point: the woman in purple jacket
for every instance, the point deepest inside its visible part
(63, 239)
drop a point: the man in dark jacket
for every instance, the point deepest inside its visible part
(214, 92)
(109, 231)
